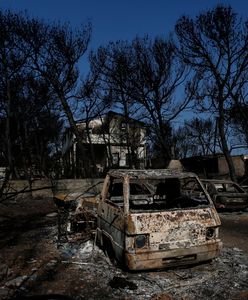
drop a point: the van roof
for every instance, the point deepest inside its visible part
(149, 173)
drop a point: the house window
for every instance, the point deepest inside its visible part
(115, 157)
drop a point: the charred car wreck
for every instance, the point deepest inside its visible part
(226, 194)
(150, 219)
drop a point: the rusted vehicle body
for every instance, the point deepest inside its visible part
(77, 213)
(151, 219)
(226, 194)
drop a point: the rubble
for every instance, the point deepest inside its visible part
(34, 266)
(16, 282)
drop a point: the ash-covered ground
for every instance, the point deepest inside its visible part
(32, 266)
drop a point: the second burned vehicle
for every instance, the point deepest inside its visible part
(150, 219)
(226, 194)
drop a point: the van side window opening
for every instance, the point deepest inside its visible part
(116, 193)
(168, 193)
(116, 189)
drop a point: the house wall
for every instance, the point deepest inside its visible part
(123, 152)
(76, 185)
(214, 166)
(23, 188)
(108, 139)
(238, 162)
(44, 188)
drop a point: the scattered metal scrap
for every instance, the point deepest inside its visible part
(77, 213)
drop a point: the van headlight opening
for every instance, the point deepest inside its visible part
(140, 241)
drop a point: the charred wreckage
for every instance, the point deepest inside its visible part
(145, 219)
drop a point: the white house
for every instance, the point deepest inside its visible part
(108, 141)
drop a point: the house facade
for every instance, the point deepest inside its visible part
(108, 141)
(215, 166)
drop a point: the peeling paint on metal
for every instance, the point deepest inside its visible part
(169, 236)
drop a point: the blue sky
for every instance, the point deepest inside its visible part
(119, 19)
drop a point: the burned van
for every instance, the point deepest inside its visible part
(151, 219)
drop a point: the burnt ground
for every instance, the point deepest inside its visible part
(32, 266)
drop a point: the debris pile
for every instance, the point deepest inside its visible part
(32, 263)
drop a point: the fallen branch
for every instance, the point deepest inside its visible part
(77, 263)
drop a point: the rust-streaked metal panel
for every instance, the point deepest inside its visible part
(139, 223)
(172, 229)
(156, 238)
(176, 257)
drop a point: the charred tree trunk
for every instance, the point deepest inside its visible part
(74, 129)
(225, 149)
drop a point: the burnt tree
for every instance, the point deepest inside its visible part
(215, 45)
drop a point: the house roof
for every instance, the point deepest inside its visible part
(111, 114)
